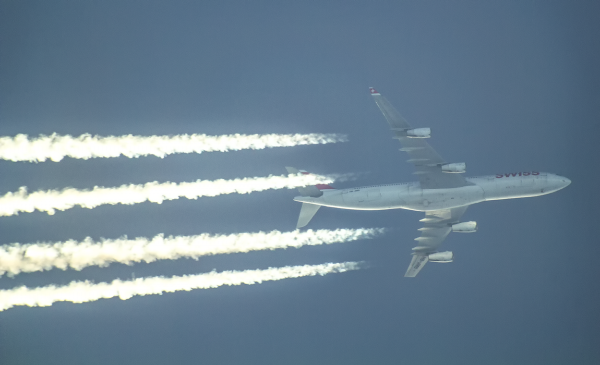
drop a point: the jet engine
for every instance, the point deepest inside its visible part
(419, 133)
(465, 227)
(454, 168)
(445, 256)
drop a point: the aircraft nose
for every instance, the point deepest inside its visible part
(561, 181)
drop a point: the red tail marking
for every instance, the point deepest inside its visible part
(323, 186)
(319, 186)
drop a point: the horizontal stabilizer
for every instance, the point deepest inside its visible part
(306, 213)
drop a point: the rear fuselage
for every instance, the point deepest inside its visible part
(410, 195)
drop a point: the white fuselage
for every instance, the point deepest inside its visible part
(412, 197)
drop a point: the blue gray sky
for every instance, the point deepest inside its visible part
(506, 86)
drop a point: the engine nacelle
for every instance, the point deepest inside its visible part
(445, 256)
(419, 133)
(454, 168)
(465, 227)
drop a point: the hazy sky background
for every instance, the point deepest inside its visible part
(506, 86)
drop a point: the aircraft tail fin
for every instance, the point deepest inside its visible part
(310, 190)
(306, 213)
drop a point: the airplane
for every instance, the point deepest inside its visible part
(441, 192)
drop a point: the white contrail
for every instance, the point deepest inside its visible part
(50, 200)
(85, 291)
(56, 147)
(16, 258)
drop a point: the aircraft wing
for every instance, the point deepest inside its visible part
(422, 155)
(437, 225)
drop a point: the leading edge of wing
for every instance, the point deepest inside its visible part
(426, 160)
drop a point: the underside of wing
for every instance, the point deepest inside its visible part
(416, 264)
(427, 161)
(437, 225)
